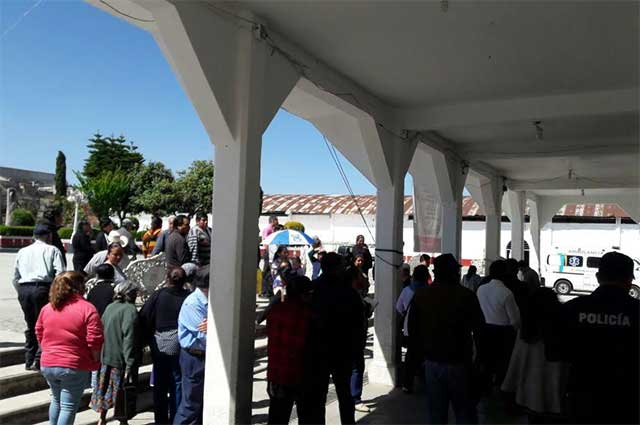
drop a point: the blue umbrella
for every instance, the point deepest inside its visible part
(288, 237)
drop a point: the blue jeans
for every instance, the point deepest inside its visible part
(357, 377)
(449, 383)
(190, 408)
(167, 386)
(67, 386)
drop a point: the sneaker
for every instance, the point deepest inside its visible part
(361, 407)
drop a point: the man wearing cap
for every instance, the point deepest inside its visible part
(599, 336)
(444, 316)
(35, 268)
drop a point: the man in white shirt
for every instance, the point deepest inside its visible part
(403, 306)
(502, 318)
(35, 268)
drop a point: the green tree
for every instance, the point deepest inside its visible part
(107, 153)
(61, 176)
(154, 189)
(194, 188)
(109, 193)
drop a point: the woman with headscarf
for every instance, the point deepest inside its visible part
(159, 324)
(69, 332)
(120, 355)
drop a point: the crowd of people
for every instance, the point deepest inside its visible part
(466, 336)
(84, 328)
(504, 334)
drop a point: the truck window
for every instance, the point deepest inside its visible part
(593, 262)
(574, 261)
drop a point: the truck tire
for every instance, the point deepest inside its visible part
(563, 287)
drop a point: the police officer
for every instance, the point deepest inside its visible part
(598, 335)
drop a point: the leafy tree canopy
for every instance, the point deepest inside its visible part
(109, 193)
(194, 188)
(154, 189)
(107, 153)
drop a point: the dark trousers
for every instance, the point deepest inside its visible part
(79, 263)
(449, 383)
(32, 297)
(496, 346)
(411, 364)
(167, 386)
(357, 377)
(281, 400)
(340, 374)
(190, 408)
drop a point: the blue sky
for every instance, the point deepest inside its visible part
(68, 69)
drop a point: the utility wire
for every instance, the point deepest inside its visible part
(15, 24)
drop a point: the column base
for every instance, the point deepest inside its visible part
(380, 372)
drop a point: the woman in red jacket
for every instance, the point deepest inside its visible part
(69, 331)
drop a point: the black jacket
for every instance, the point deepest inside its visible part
(101, 242)
(177, 251)
(599, 336)
(337, 325)
(56, 241)
(82, 248)
(442, 321)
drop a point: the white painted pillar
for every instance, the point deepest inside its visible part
(491, 192)
(389, 257)
(236, 85)
(517, 203)
(535, 228)
(452, 175)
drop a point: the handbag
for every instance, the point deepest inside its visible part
(126, 403)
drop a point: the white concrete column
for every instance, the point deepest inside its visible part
(517, 203)
(389, 249)
(442, 175)
(237, 86)
(452, 175)
(535, 225)
(491, 192)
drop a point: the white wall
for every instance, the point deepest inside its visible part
(338, 229)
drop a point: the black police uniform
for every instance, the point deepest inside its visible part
(599, 336)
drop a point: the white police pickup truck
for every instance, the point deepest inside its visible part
(574, 271)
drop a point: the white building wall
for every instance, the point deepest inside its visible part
(342, 229)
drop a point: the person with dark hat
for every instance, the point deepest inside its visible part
(444, 316)
(599, 336)
(35, 268)
(102, 240)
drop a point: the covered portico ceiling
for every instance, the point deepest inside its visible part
(544, 94)
(479, 75)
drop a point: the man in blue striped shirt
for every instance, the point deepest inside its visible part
(192, 334)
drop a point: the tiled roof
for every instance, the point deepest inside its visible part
(344, 204)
